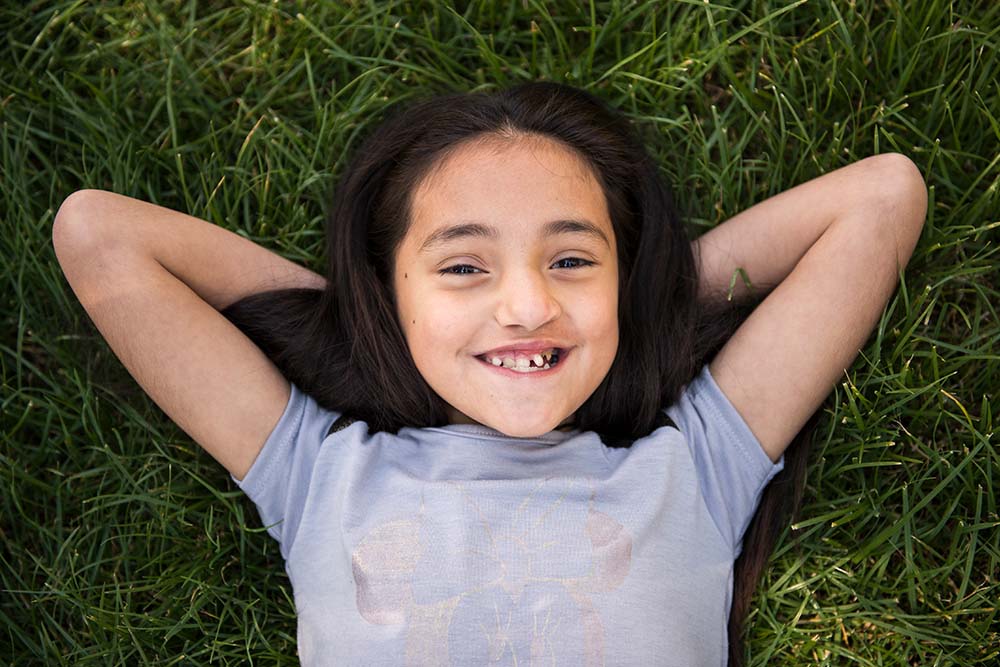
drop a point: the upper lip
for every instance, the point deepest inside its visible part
(525, 347)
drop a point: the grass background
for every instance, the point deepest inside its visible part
(124, 543)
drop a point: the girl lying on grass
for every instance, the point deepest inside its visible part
(522, 416)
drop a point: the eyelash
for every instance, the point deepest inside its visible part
(448, 271)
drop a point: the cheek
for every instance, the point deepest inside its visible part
(599, 309)
(435, 325)
(415, 304)
(605, 321)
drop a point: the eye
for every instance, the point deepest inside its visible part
(583, 262)
(459, 269)
(450, 272)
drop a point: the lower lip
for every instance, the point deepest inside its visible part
(549, 372)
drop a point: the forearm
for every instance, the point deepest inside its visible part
(218, 265)
(768, 239)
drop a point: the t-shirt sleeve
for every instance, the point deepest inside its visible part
(733, 468)
(278, 480)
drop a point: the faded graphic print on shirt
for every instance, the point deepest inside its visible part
(481, 578)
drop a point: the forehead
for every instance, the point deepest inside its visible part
(529, 185)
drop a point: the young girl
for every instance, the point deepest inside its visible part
(512, 423)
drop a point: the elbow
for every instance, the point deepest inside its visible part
(72, 225)
(76, 206)
(902, 184)
(902, 198)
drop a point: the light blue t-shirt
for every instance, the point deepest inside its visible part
(458, 545)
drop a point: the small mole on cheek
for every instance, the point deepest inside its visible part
(406, 275)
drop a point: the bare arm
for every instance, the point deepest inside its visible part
(219, 266)
(837, 245)
(768, 239)
(153, 280)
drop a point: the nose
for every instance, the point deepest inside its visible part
(527, 300)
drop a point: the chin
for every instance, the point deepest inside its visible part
(521, 429)
(521, 426)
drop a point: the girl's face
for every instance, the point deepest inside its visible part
(510, 246)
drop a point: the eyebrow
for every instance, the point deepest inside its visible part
(479, 230)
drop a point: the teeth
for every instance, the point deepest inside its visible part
(541, 361)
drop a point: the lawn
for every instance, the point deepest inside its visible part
(124, 543)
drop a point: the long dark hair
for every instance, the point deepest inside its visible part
(343, 345)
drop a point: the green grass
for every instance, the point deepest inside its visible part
(123, 543)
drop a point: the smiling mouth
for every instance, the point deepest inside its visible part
(532, 367)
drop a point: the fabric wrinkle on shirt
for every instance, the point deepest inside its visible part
(459, 545)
